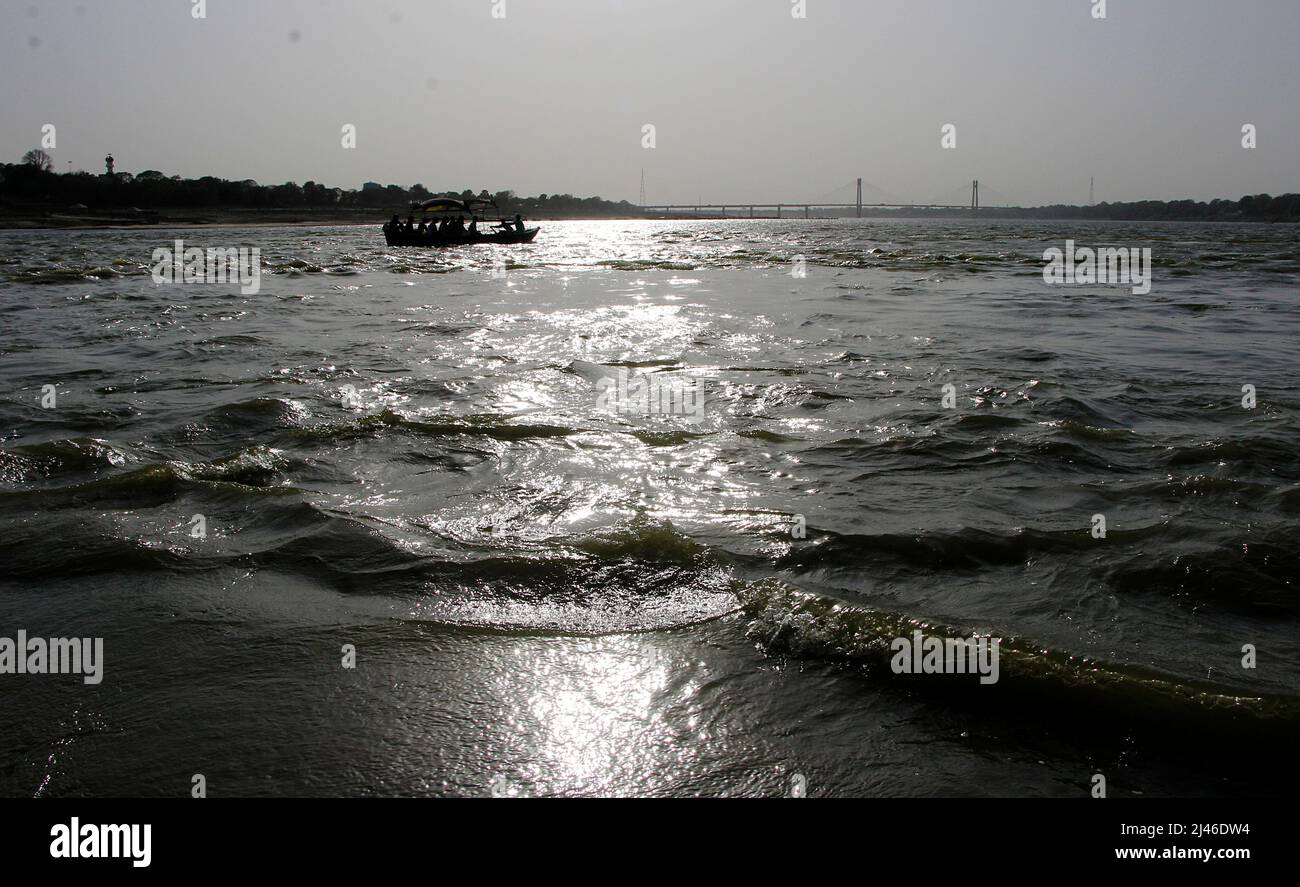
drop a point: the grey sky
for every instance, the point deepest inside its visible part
(748, 102)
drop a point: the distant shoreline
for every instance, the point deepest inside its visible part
(32, 219)
(33, 197)
(10, 222)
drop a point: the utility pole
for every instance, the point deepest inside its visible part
(643, 187)
(975, 195)
(1091, 199)
(859, 197)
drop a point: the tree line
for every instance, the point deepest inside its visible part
(1252, 208)
(34, 180)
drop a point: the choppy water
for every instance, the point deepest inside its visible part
(549, 598)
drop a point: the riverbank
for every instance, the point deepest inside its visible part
(47, 217)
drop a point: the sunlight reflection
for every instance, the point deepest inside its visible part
(597, 714)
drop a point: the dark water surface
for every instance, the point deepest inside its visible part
(549, 598)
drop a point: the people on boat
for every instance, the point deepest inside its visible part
(452, 230)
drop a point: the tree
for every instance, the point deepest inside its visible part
(39, 159)
(288, 194)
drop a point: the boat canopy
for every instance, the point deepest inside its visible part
(441, 204)
(452, 205)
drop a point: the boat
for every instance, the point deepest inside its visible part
(437, 208)
(503, 236)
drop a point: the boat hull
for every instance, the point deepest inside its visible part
(500, 237)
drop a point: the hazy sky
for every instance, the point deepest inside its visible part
(749, 103)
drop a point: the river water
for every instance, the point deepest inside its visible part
(406, 458)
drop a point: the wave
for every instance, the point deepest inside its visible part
(646, 265)
(256, 467)
(1256, 574)
(786, 620)
(57, 457)
(968, 548)
(81, 274)
(642, 577)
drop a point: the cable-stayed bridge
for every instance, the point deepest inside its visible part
(836, 200)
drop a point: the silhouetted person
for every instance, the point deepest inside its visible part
(473, 226)
(519, 223)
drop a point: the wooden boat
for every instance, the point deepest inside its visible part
(414, 238)
(438, 208)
